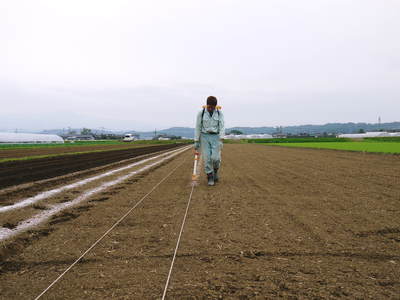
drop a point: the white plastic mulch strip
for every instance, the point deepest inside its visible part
(50, 193)
(6, 233)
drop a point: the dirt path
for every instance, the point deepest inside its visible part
(282, 223)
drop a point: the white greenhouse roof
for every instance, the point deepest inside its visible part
(364, 135)
(8, 137)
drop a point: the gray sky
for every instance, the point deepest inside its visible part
(150, 64)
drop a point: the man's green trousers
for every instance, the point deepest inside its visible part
(210, 145)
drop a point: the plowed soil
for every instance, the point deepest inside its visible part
(23, 171)
(281, 224)
(25, 152)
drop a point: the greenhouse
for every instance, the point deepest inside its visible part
(29, 138)
(364, 135)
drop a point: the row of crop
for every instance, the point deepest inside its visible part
(383, 139)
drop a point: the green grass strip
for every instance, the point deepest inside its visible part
(88, 143)
(383, 139)
(374, 147)
(299, 140)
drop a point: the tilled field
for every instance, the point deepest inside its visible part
(282, 223)
(19, 172)
(37, 151)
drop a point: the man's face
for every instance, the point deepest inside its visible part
(210, 108)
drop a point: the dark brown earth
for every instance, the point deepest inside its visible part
(23, 171)
(37, 151)
(282, 224)
(11, 195)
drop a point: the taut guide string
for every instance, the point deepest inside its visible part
(107, 232)
(194, 178)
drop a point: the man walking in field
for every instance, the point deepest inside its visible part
(210, 130)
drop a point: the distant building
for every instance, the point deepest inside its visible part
(29, 138)
(166, 137)
(79, 138)
(279, 135)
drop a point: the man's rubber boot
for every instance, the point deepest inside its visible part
(210, 178)
(216, 177)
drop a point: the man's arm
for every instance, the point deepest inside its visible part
(221, 126)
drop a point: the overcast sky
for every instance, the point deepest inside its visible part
(151, 64)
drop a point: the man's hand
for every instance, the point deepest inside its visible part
(196, 145)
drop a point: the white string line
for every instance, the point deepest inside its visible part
(177, 245)
(6, 233)
(107, 232)
(47, 194)
(76, 173)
